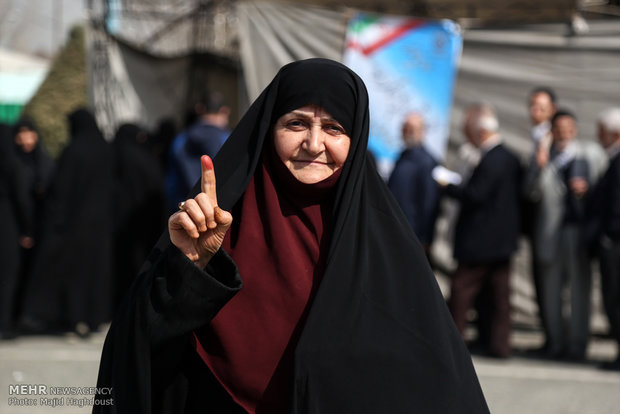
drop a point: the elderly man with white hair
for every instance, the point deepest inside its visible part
(487, 230)
(604, 208)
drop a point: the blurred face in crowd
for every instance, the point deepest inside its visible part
(564, 130)
(413, 130)
(541, 108)
(311, 143)
(607, 138)
(26, 139)
(469, 125)
(475, 135)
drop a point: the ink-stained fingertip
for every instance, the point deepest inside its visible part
(207, 162)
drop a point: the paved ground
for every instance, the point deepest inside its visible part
(66, 361)
(524, 385)
(518, 385)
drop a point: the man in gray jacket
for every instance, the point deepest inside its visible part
(558, 180)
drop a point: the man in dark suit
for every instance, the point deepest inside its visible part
(605, 210)
(487, 231)
(411, 181)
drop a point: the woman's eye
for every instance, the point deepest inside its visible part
(295, 124)
(335, 129)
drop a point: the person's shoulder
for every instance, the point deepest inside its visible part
(501, 159)
(429, 159)
(210, 131)
(500, 151)
(403, 172)
(196, 135)
(194, 129)
(405, 157)
(416, 155)
(614, 165)
(403, 167)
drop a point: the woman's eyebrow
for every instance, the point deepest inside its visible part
(329, 119)
(309, 115)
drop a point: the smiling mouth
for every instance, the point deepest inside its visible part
(311, 162)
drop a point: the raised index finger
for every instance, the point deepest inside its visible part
(208, 179)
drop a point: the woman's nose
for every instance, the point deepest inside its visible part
(315, 141)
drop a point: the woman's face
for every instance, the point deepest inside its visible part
(27, 139)
(311, 143)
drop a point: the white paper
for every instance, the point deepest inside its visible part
(445, 176)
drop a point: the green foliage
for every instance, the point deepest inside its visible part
(62, 91)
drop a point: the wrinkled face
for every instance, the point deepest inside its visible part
(27, 139)
(564, 130)
(541, 108)
(311, 143)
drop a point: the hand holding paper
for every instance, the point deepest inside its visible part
(444, 176)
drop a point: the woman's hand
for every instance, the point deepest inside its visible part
(198, 229)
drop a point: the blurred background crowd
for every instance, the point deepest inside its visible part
(89, 173)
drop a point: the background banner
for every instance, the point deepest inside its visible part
(408, 65)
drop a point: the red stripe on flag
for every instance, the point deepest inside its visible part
(411, 24)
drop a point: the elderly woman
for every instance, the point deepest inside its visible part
(292, 285)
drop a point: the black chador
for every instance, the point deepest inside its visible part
(377, 336)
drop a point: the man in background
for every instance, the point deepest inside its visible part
(541, 106)
(411, 181)
(205, 134)
(487, 232)
(604, 211)
(557, 180)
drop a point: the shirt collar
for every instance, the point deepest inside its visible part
(540, 130)
(613, 150)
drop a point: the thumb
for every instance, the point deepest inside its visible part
(223, 219)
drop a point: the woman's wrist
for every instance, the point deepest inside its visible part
(203, 261)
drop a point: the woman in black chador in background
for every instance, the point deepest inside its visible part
(37, 163)
(139, 205)
(15, 227)
(38, 168)
(70, 283)
(316, 298)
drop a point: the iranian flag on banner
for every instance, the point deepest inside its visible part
(408, 65)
